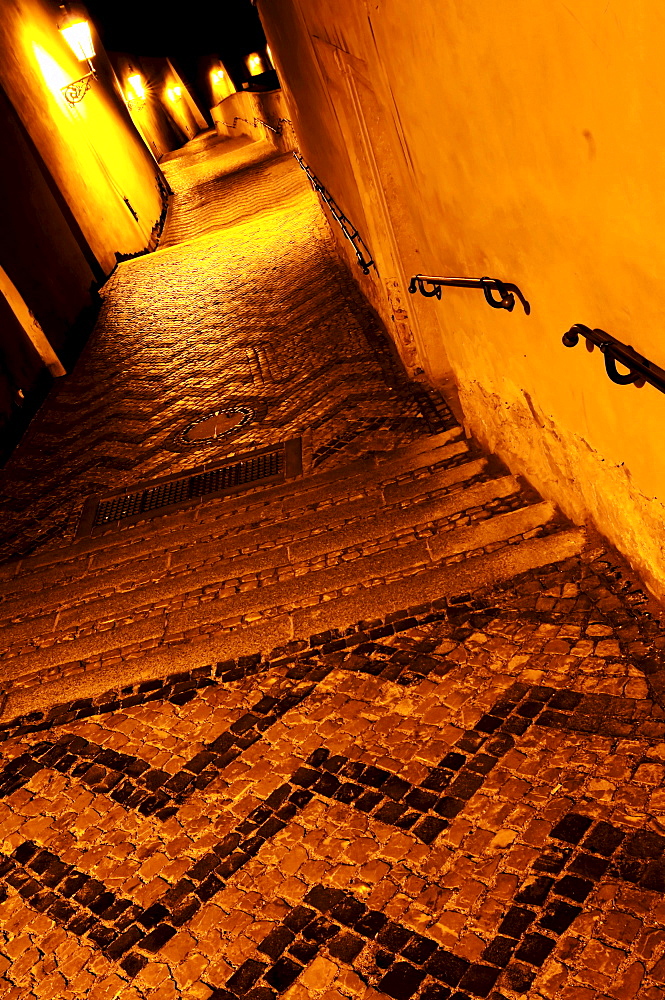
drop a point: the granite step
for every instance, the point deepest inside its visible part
(262, 505)
(428, 521)
(447, 581)
(162, 578)
(263, 637)
(171, 613)
(155, 552)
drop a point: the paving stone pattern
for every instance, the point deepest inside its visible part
(221, 568)
(391, 729)
(464, 801)
(245, 303)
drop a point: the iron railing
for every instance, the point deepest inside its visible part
(271, 128)
(430, 287)
(259, 121)
(640, 369)
(280, 125)
(362, 251)
(236, 119)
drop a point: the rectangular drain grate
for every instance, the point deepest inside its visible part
(178, 490)
(267, 466)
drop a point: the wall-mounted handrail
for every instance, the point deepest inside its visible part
(260, 121)
(430, 287)
(640, 369)
(363, 254)
(280, 122)
(236, 119)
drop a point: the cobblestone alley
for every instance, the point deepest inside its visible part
(303, 695)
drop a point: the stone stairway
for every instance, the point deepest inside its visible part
(269, 568)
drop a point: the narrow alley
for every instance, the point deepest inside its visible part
(201, 325)
(374, 721)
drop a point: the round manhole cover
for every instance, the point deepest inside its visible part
(216, 425)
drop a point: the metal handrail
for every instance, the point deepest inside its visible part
(430, 287)
(260, 121)
(280, 121)
(347, 227)
(236, 119)
(640, 369)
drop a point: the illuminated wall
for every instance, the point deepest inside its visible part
(180, 104)
(250, 113)
(98, 161)
(221, 85)
(521, 141)
(78, 186)
(142, 82)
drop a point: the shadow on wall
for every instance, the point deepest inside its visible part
(25, 379)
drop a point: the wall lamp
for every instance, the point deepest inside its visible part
(254, 64)
(136, 94)
(78, 36)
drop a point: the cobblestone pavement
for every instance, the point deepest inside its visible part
(464, 801)
(448, 801)
(244, 308)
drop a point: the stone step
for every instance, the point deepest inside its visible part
(125, 588)
(344, 485)
(446, 581)
(491, 531)
(294, 591)
(143, 539)
(263, 637)
(140, 560)
(388, 523)
(154, 663)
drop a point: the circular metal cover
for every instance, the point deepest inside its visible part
(216, 426)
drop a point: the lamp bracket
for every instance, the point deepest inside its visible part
(76, 90)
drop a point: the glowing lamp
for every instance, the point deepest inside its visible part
(79, 38)
(135, 81)
(254, 64)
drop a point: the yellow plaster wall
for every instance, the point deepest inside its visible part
(521, 140)
(92, 150)
(220, 83)
(149, 115)
(248, 109)
(182, 107)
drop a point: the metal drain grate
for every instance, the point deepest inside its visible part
(251, 470)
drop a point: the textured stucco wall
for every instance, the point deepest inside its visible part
(523, 141)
